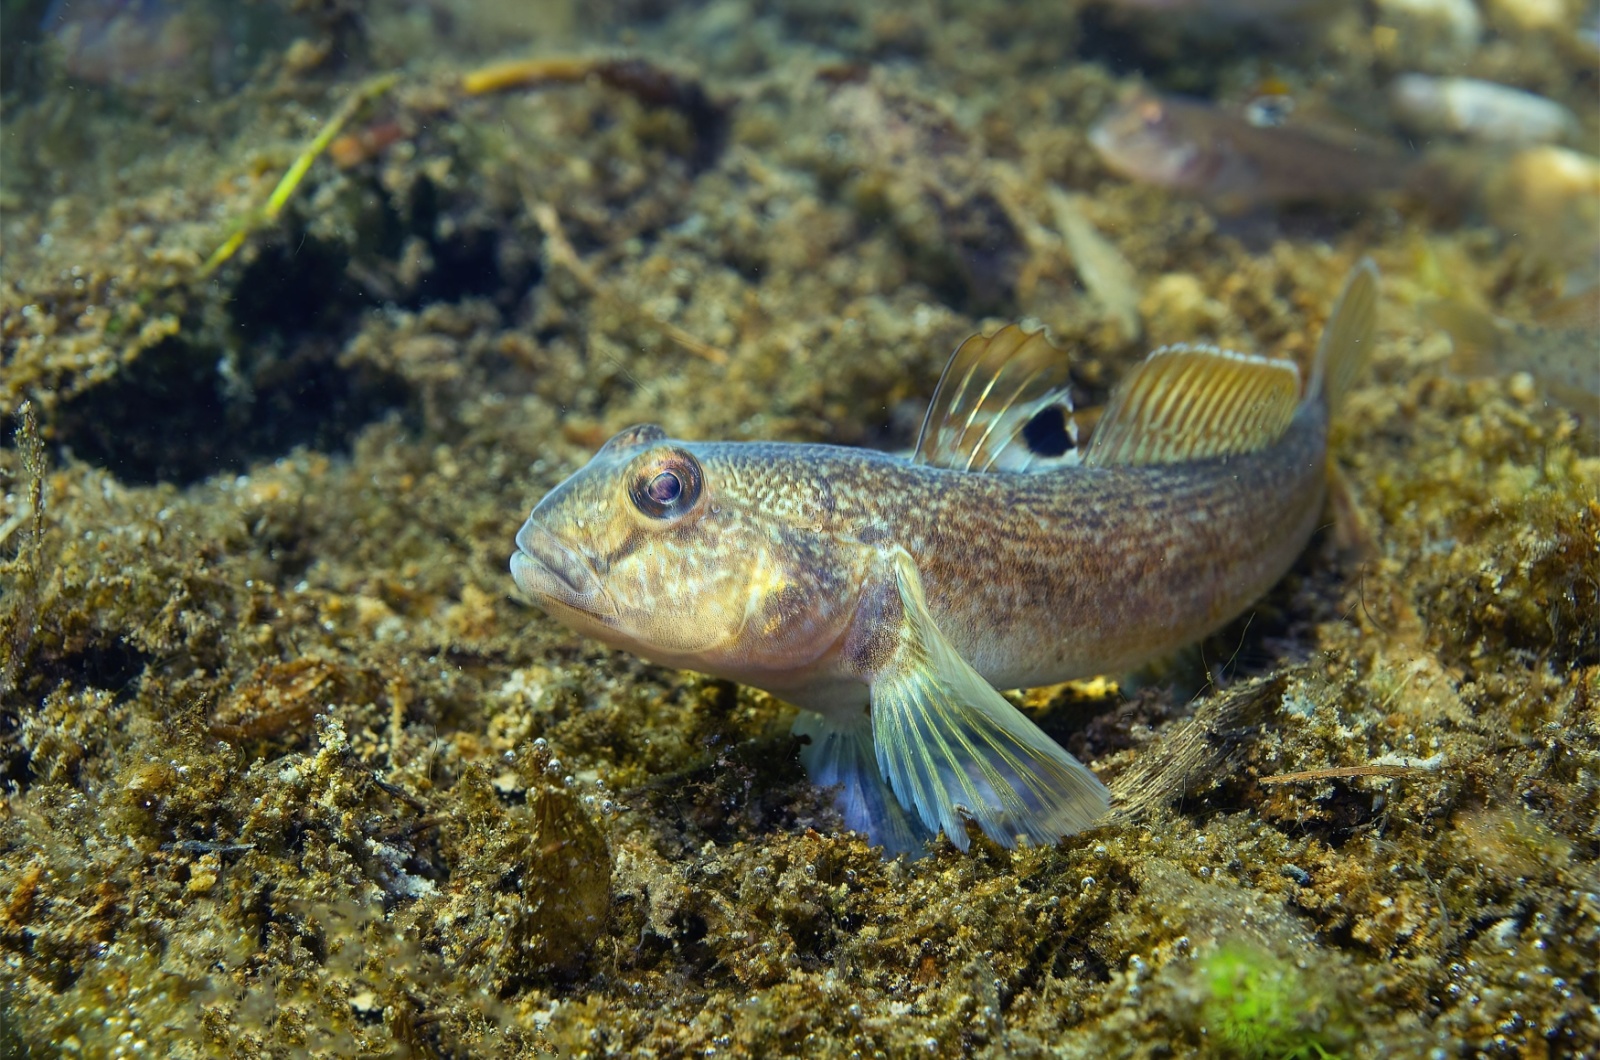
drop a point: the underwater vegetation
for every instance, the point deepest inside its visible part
(1252, 1004)
(290, 767)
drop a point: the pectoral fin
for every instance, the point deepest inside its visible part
(840, 756)
(950, 746)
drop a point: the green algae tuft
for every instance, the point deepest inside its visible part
(1257, 1006)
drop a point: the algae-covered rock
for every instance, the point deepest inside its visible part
(536, 877)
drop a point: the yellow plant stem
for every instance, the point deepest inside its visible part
(296, 173)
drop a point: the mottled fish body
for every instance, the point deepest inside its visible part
(1019, 568)
(888, 597)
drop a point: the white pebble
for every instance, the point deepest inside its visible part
(1483, 110)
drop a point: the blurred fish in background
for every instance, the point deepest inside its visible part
(133, 44)
(162, 47)
(1560, 350)
(1196, 148)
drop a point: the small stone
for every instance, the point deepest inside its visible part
(1522, 388)
(1533, 14)
(1482, 110)
(203, 875)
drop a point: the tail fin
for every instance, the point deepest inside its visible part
(1347, 340)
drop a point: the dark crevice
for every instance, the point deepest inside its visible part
(177, 415)
(107, 662)
(16, 765)
(1181, 54)
(466, 266)
(973, 266)
(1116, 42)
(184, 410)
(191, 406)
(294, 288)
(103, 661)
(468, 261)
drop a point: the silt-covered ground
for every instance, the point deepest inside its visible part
(291, 771)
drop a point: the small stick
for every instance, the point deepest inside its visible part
(652, 85)
(525, 73)
(1393, 772)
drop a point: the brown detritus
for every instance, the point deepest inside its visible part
(568, 892)
(1391, 772)
(657, 87)
(843, 73)
(647, 82)
(24, 572)
(561, 253)
(1193, 753)
(19, 903)
(281, 696)
(539, 874)
(358, 148)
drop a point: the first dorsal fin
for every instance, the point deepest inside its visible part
(992, 388)
(1193, 402)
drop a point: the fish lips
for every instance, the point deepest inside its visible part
(548, 569)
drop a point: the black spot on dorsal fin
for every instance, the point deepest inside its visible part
(992, 389)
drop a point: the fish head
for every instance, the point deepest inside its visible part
(674, 556)
(1149, 139)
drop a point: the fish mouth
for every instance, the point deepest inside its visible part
(547, 568)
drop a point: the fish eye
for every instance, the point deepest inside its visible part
(667, 486)
(664, 488)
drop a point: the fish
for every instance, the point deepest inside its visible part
(889, 596)
(1561, 351)
(1194, 148)
(142, 45)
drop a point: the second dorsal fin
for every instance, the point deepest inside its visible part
(1193, 402)
(993, 388)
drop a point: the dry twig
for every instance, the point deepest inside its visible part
(1392, 771)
